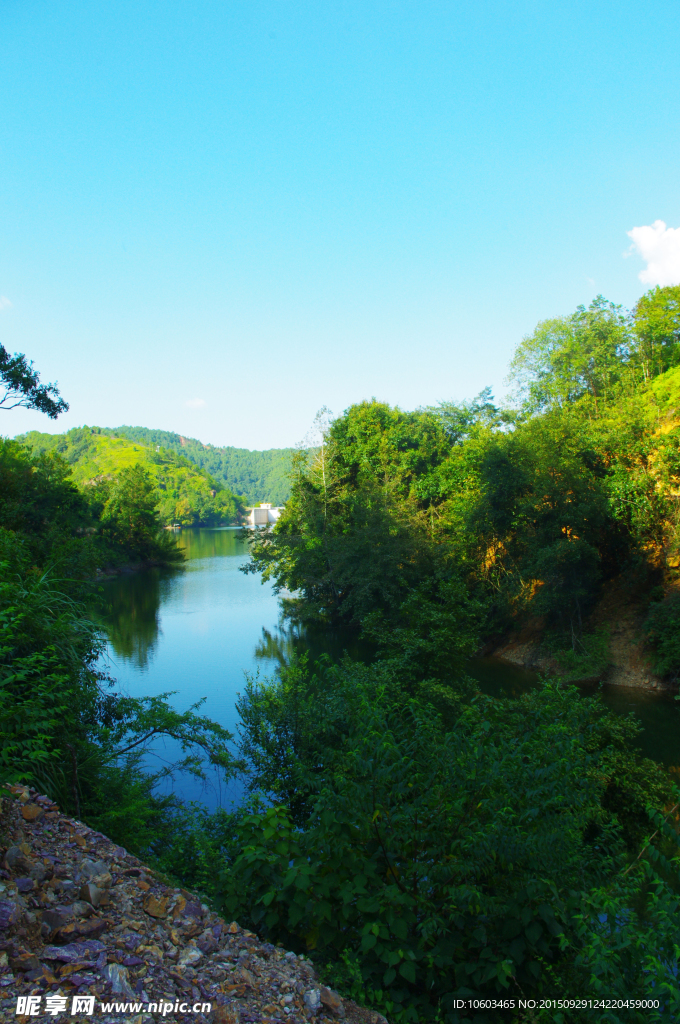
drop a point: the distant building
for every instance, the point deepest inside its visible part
(264, 514)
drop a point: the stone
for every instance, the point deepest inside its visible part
(312, 1000)
(83, 929)
(10, 914)
(118, 978)
(15, 860)
(85, 953)
(32, 812)
(194, 910)
(53, 920)
(207, 943)
(226, 1014)
(156, 907)
(38, 873)
(233, 928)
(92, 868)
(91, 893)
(25, 962)
(25, 884)
(81, 908)
(189, 956)
(332, 1001)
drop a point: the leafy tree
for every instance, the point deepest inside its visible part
(22, 387)
(656, 327)
(573, 358)
(129, 513)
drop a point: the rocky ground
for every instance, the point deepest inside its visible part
(81, 918)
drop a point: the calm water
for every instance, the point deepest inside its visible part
(199, 629)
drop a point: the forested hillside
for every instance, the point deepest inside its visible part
(519, 514)
(184, 493)
(257, 476)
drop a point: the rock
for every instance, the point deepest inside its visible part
(123, 956)
(189, 956)
(245, 977)
(92, 868)
(14, 855)
(83, 930)
(38, 873)
(377, 1018)
(82, 953)
(226, 1014)
(25, 962)
(10, 914)
(32, 812)
(81, 908)
(312, 1000)
(118, 978)
(193, 910)
(91, 893)
(332, 1001)
(155, 907)
(53, 920)
(25, 884)
(207, 943)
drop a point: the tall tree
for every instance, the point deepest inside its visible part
(656, 325)
(572, 358)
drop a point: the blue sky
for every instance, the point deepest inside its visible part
(216, 217)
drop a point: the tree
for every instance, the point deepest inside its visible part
(656, 325)
(130, 512)
(23, 388)
(572, 358)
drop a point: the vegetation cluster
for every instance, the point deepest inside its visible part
(256, 476)
(431, 843)
(184, 494)
(422, 842)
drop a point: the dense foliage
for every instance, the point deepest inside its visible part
(182, 493)
(257, 476)
(20, 387)
(63, 726)
(428, 843)
(423, 843)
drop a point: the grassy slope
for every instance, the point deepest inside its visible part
(184, 490)
(257, 475)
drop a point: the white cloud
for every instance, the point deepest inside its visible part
(196, 403)
(659, 246)
(4, 302)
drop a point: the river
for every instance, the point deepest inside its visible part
(198, 630)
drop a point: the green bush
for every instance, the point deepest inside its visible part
(438, 865)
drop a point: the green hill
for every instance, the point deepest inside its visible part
(256, 475)
(185, 493)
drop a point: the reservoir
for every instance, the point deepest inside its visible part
(200, 629)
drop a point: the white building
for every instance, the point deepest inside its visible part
(264, 514)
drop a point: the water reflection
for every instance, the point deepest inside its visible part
(657, 712)
(198, 629)
(293, 639)
(128, 609)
